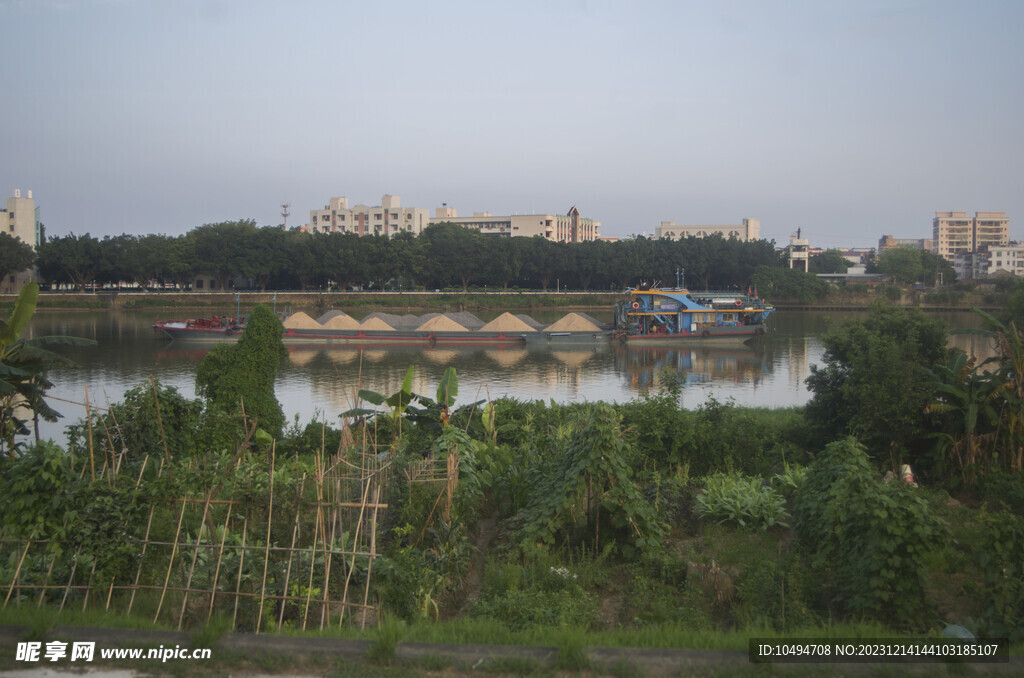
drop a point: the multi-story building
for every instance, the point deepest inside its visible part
(750, 229)
(1007, 258)
(954, 232)
(21, 220)
(568, 228)
(989, 261)
(388, 219)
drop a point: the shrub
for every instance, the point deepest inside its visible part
(1002, 562)
(538, 594)
(747, 501)
(242, 375)
(870, 538)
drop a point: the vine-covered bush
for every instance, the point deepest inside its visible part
(590, 480)
(242, 375)
(870, 539)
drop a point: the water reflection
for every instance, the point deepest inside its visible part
(698, 365)
(324, 380)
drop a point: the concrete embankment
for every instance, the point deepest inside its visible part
(441, 301)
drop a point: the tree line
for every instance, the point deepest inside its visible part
(445, 255)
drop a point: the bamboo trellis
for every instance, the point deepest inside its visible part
(298, 553)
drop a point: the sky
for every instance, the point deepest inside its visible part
(846, 119)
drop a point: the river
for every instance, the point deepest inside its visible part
(322, 382)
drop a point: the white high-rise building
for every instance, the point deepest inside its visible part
(387, 219)
(20, 220)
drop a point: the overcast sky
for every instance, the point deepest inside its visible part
(846, 119)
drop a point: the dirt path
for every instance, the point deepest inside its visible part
(474, 579)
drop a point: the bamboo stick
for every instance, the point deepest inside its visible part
(159, 419)
(238, 581)
(373, 554)
(17, 570)
(170, 563)
(88, 419)
(145, 541)
(266, 556)
(295, 533)
(192, 568)
(216, 571)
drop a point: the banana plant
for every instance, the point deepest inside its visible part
(23, 365)
(418, 409)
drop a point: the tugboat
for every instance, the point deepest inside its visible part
(656, 315)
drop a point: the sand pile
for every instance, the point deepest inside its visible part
(506, 322)
(338, 320)
(301, 321)
(330, 314)
(371, 323)
(403, 322)
(441, 323)
(466, 319)
(573, 322)
(600, 324)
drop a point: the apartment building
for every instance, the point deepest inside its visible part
(749, 229)
(570, 227)
(21, 220)
(1007, 258)
(387, 219)
(990, 260)
(954, 232)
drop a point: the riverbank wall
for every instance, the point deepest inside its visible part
(317, 301)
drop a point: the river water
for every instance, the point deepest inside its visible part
(322, 382)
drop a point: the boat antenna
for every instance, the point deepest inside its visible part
(680, 274)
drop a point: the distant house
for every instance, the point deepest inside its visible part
(204, 282)
(869, 279)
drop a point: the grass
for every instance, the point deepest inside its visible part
(388, 634)
(45, 618)
(572, 650)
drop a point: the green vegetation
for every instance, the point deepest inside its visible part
(789, 284)
(15, 255)
(873, 383)
(444, 256)
(829, 261)
(242, 375)
(571, 525)
(909, 265)
(23, 365)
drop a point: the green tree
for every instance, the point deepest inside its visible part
(829, 261)
(788, 283)
(874, 381)
(240, 377)
(71, 259)
(15, 255)
(224, 250)
(909, 265)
